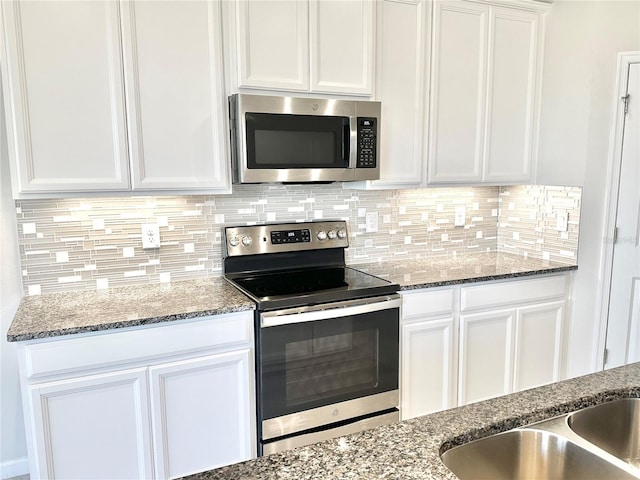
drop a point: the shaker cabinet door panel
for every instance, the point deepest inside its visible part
(273, 44)
(341, 35)
(485, 355)
(511, 95)
(64, 93)
(93, 427)
(400, 86)
(427, 375)
(202, 413)
(457, 95)
(538, 345)
(175, 94)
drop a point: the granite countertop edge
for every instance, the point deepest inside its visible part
(125, 324)
(487, 278)
(69, 313)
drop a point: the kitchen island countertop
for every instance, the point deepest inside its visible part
(411, 449)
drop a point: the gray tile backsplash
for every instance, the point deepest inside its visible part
(94, 243)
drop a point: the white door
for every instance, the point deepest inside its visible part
(538, 345)
(427, 378)
(93, 427)
(513, 64)
(458, 84)
(623, 327)
(202, 413)
(341, 41)
(272, 44)
(485, 355)
(400, 85)
(65, 96)
(175, 99)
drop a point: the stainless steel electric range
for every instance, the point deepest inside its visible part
(327, 335)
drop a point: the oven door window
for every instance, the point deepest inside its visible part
(308, 365)
(297, 141)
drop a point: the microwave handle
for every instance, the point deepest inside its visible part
(350, 141)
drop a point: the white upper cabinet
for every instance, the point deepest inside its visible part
(484, 92)
(175, 95)
(104, 96)
(302, 45)
(64, 96)
(273, 44)
(341, 45)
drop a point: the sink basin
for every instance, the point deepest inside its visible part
(528, 454)
(612, 426)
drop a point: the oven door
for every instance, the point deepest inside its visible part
(327, 364)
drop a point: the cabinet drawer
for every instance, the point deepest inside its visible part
(429, 302)
(140, 344)
(512, 292)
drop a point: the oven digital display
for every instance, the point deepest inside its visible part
(291, 236)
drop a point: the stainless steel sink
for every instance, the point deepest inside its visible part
(528, 454)
(612, 426)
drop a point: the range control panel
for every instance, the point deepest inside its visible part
(285, 237)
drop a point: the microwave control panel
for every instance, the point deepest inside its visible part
(367, 133)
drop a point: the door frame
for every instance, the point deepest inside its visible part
(614, 164)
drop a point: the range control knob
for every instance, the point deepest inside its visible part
(234, 241)
(246, 241)
(322, 235)
(332, 234)
(342, 234)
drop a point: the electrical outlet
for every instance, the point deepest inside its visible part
(372, 222)
(150, 235)
(562, 221)
(459, 217)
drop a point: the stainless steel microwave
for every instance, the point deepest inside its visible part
(303, 140)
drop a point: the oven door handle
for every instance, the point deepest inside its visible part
(327, 311)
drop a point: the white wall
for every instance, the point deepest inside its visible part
(13, 448)
(582, 42)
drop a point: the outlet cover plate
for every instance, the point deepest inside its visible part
(150, 235)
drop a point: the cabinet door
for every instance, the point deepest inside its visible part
(458, 76)
(203, 413)
(272, 39)
(485, 355)
(427, 378)
(92, 427)
(177, 107)
(400, 86)
(511, 94)
(538, 345)
(64, 94)
(341, 34)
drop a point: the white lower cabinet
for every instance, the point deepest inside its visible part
(427, 367)
(428, 352)
(153, 402)
(215, 392)
(485, 355)
(95, 426)
(465, 344)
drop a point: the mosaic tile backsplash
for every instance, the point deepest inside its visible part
(95, 243)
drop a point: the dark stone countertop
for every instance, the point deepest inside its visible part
(411, 449)
(468, 268)
(56, 314)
